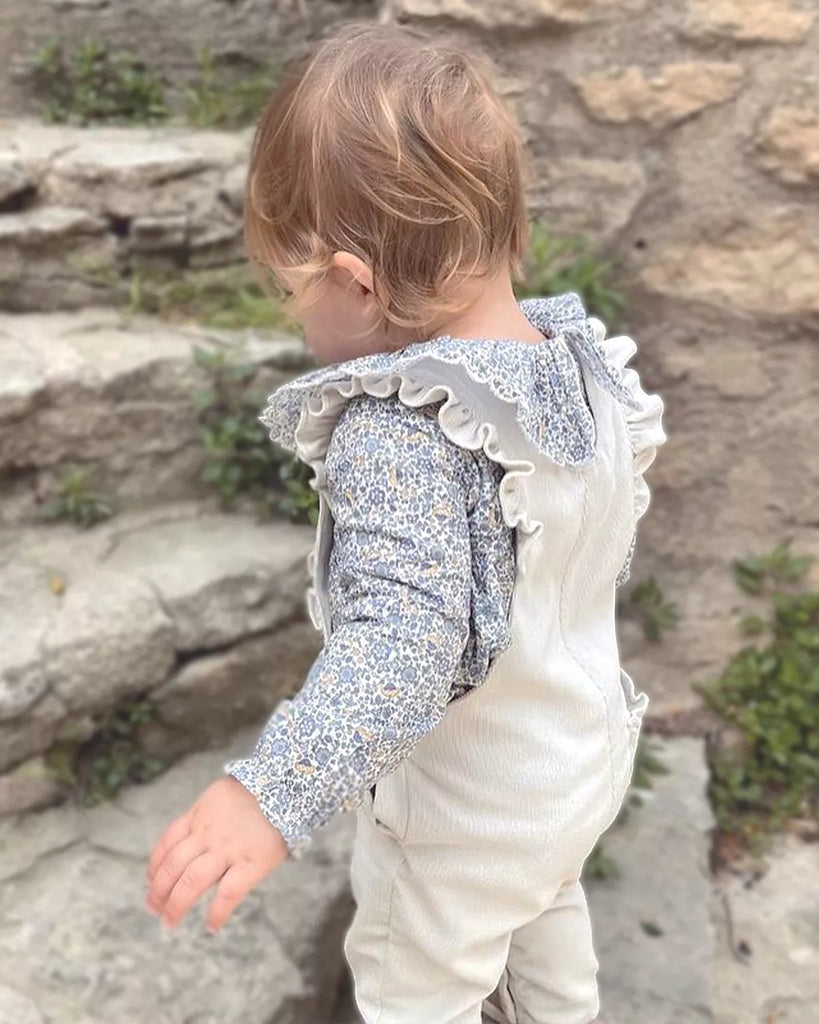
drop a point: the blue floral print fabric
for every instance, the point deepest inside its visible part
(420, 582)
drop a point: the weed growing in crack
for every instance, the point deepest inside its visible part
(239, 456)
(77, 501)
(227, 98)
(95, 85)
(765, 759)
(555, 265)
(94, 769)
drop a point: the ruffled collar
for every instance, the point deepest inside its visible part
(542, 381)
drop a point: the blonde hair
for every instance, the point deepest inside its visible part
(398, 149)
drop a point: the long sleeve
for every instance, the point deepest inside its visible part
(399, 585)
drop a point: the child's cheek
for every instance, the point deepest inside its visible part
(319, 336)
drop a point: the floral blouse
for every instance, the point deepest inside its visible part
(414, 517)
(422, 564)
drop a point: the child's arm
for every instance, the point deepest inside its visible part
(400, 585)
(400, 590)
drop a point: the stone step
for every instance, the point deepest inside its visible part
(117, 392)
(83, 209)
(768, 963)
(77, 945)
(653, 924)
(199, 614)
(242, 38)
(75, 937)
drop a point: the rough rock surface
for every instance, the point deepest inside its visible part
(652, 925)
(752, 21)
(767, 965)
(77, 945)
(116, 392)
(677, 92)
(789, 144)
(30, 785)
(75, 937)
(79, 208)
(240, 36)
(588, 196)
(768, 266)
(511, 13)
(201, 613)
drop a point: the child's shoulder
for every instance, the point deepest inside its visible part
(386, 436)
(372, 423)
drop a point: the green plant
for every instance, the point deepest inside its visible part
(96, 768)
(224, 100)
(765, 769)
(76, 501)
(647, 763)
(555, 265)
(299, 501)
(95, 85)
(239, 457)
(656, 614)
(230, 298)
(779, 566)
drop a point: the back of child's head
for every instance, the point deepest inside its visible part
(396, 148)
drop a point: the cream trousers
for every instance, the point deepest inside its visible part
(442, 922)
(431, 949)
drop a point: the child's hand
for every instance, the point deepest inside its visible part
(223, 838)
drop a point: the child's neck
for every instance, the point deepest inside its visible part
(492, 312)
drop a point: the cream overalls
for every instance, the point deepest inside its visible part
(467, 861)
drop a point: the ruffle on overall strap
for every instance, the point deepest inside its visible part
(540, 383)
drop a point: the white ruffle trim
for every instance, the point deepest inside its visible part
(458, 422)
(540, 386)
(644, 413)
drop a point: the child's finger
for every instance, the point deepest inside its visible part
(176, 831)
(235, 884)
(200, 874)
(170, 870)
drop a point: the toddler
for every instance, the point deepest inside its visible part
(479, 464)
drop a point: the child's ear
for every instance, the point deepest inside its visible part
(356, 268)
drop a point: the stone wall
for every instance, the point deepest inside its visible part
(84, 212)
(684, 138)
(166, 34)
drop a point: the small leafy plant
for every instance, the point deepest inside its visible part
(95, 769)
(299, 501)
(555, 265)
(656, 614)
(227, 100)
(77, 501)
(228, 299)
(779, 567)
(765, 766)
(93, 85)
(239, 457)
